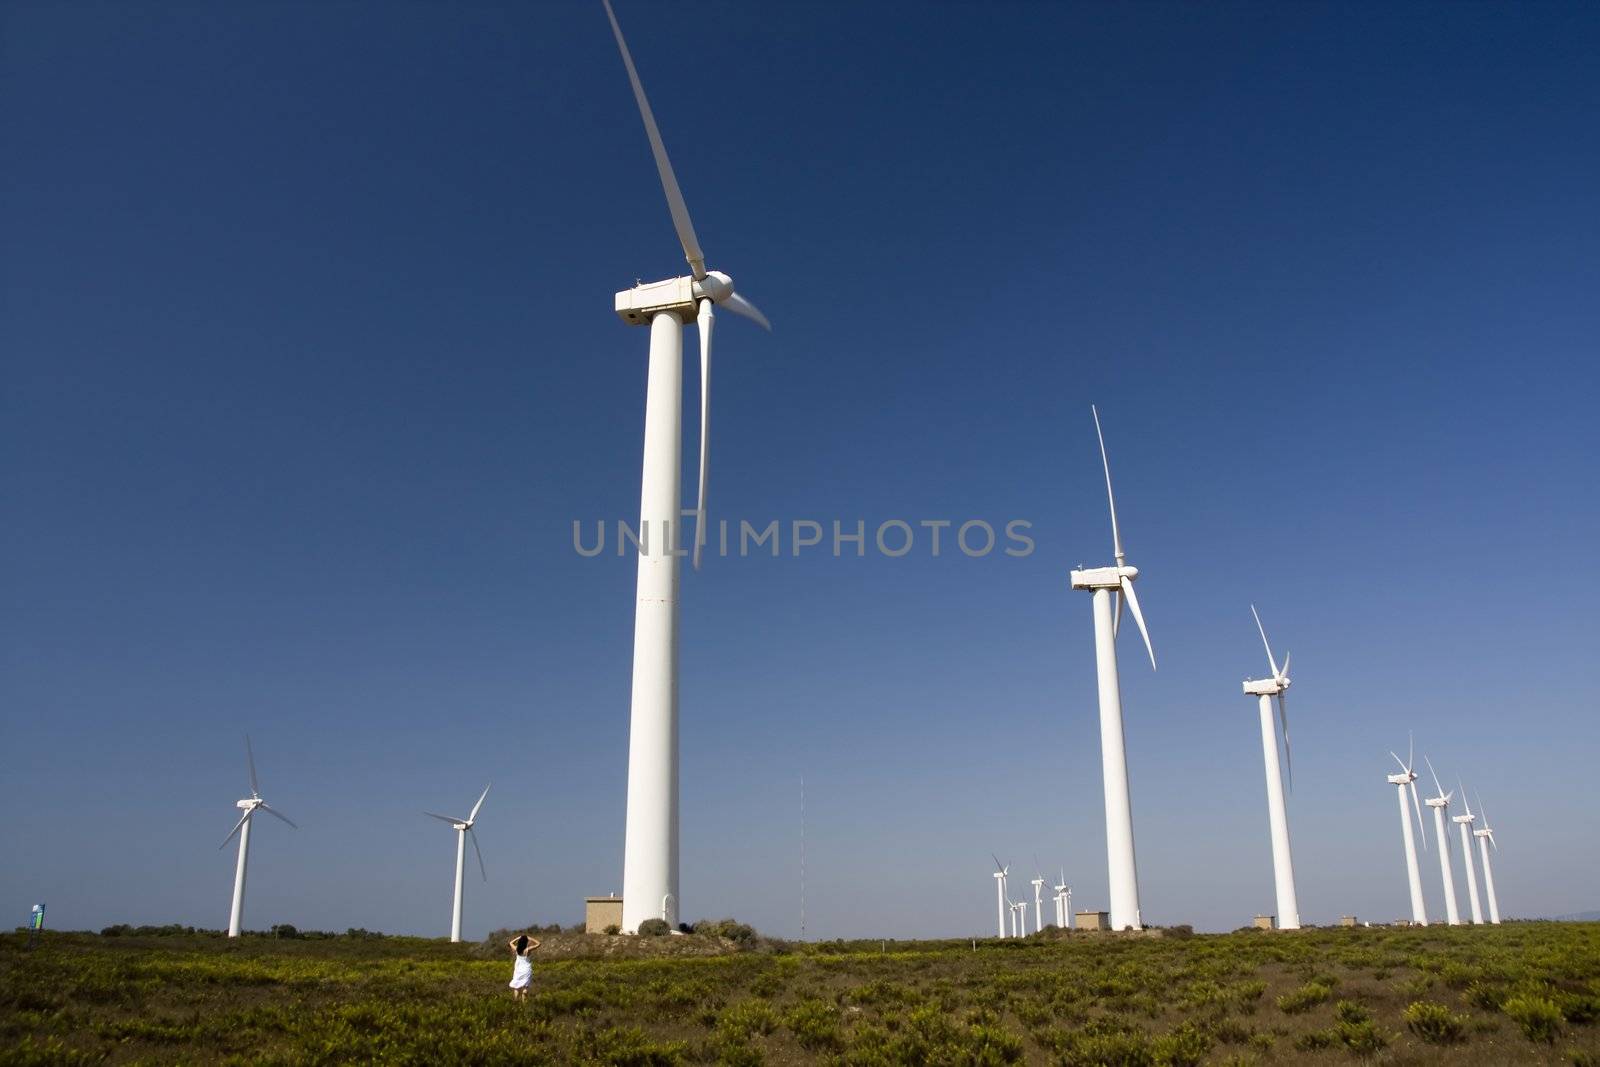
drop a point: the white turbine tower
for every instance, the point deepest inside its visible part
(463, 829)
(1062, 897)
(1407, 779)
(1019, 914)
(251, 805)
(1106, 583)
(1440, 803)
(650, 847)
(1485, 838)
(1268, 690)
(1038, 901)
(1465, 821)
(1000, 894)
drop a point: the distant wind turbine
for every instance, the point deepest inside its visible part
(463, 828)
(1063, 900)
(1038, 903)
(1440, 803)
(1485, 838)
(1407, 779)
(1465, 821)
(251, 805)
(1000, 894)
(1107, 583)
(1268, 690)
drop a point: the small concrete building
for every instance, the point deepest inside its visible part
(1265, 922)
(1092, 920)
(1348, 920)
(601, 912)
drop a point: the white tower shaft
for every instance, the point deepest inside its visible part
(1488, 880)
(1038, 904)
(236, 916)
(1452, 913)
(461, 859)
(1278, 817)
(1472, 874)
(650, 847)
(1120, 862)
(1419, 910)
(1000, 905)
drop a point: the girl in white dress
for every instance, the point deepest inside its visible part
(522, 947)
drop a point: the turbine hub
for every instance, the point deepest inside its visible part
(715, 286)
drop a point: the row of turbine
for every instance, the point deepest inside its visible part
(253, 803)
(1406, 781)
(1018, 909)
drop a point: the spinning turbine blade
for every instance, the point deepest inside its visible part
(235, 830)
(249, 754)
(445, 818)
(740, 306)
(1138, 617)
(1411, 750)
(1116, 538)
(669, 181)
(474, 816)
(1466, 805)
(1116, 612)
(1438, 790)
(1284, 677)
(1266, 644)
(1397, 759)
(1417, 804)
(1283, 724)
(470, 832)
(704, 320)
(274, 812)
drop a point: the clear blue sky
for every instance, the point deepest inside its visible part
(310, 363)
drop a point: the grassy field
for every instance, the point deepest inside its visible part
(1519, 993)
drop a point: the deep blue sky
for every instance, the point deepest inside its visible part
(310, 364)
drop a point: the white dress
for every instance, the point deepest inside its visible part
(522, 973)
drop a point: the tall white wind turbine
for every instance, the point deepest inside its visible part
(1063, 899)
(1440, 803)
(1107, 583)
(1000, 894)
(1268, 690)
(250, 805)
(650, 847)
(1038, 900)
(463, 829)
(1485, 838)
(1407, 779)
(1465, 821)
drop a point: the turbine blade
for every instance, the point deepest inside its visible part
(1283, 724)
(1285, 675)
(234, 831)
(669, 180)
(474, 816)
(1116, 615)
(278, 814)
(740, 306)
(1438, 790)
(1493, 842)
(250, 755)
(706, 318)
(1397, 759)
(1270, 661)
(1466, 803)
(1116, 536)
(1417, 804)
(444, 818)
(997, 864)
(1411, 750)
(1138, 617)
(478, 851)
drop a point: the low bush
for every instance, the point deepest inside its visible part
(1435, 1023)
(654, 928)
(1303, 999)
(1538, 1016)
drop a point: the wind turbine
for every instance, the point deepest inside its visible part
(1465, 821)
(1440, 803)
(1000, 894)
(1407, 778)
(250, 805)
(1063, 896)
(650, 847)
(1019, 918)
(1268, 690)
(1106, 583)
(463, 828)
(1485, 838)
(1038, 904)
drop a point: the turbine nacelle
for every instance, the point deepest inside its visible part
(248, 804)
(1402, 779)
(1103, 577)
(1265, 687)
(1438, 802)
(1466, 820)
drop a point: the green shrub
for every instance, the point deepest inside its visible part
(815, 1025)
(1348, 1011)
(1186, 1046)
(1435, 1023)
(612, 929)
(1538, 1016)
(1304, 998)
(746, 1019)
(654, 928)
